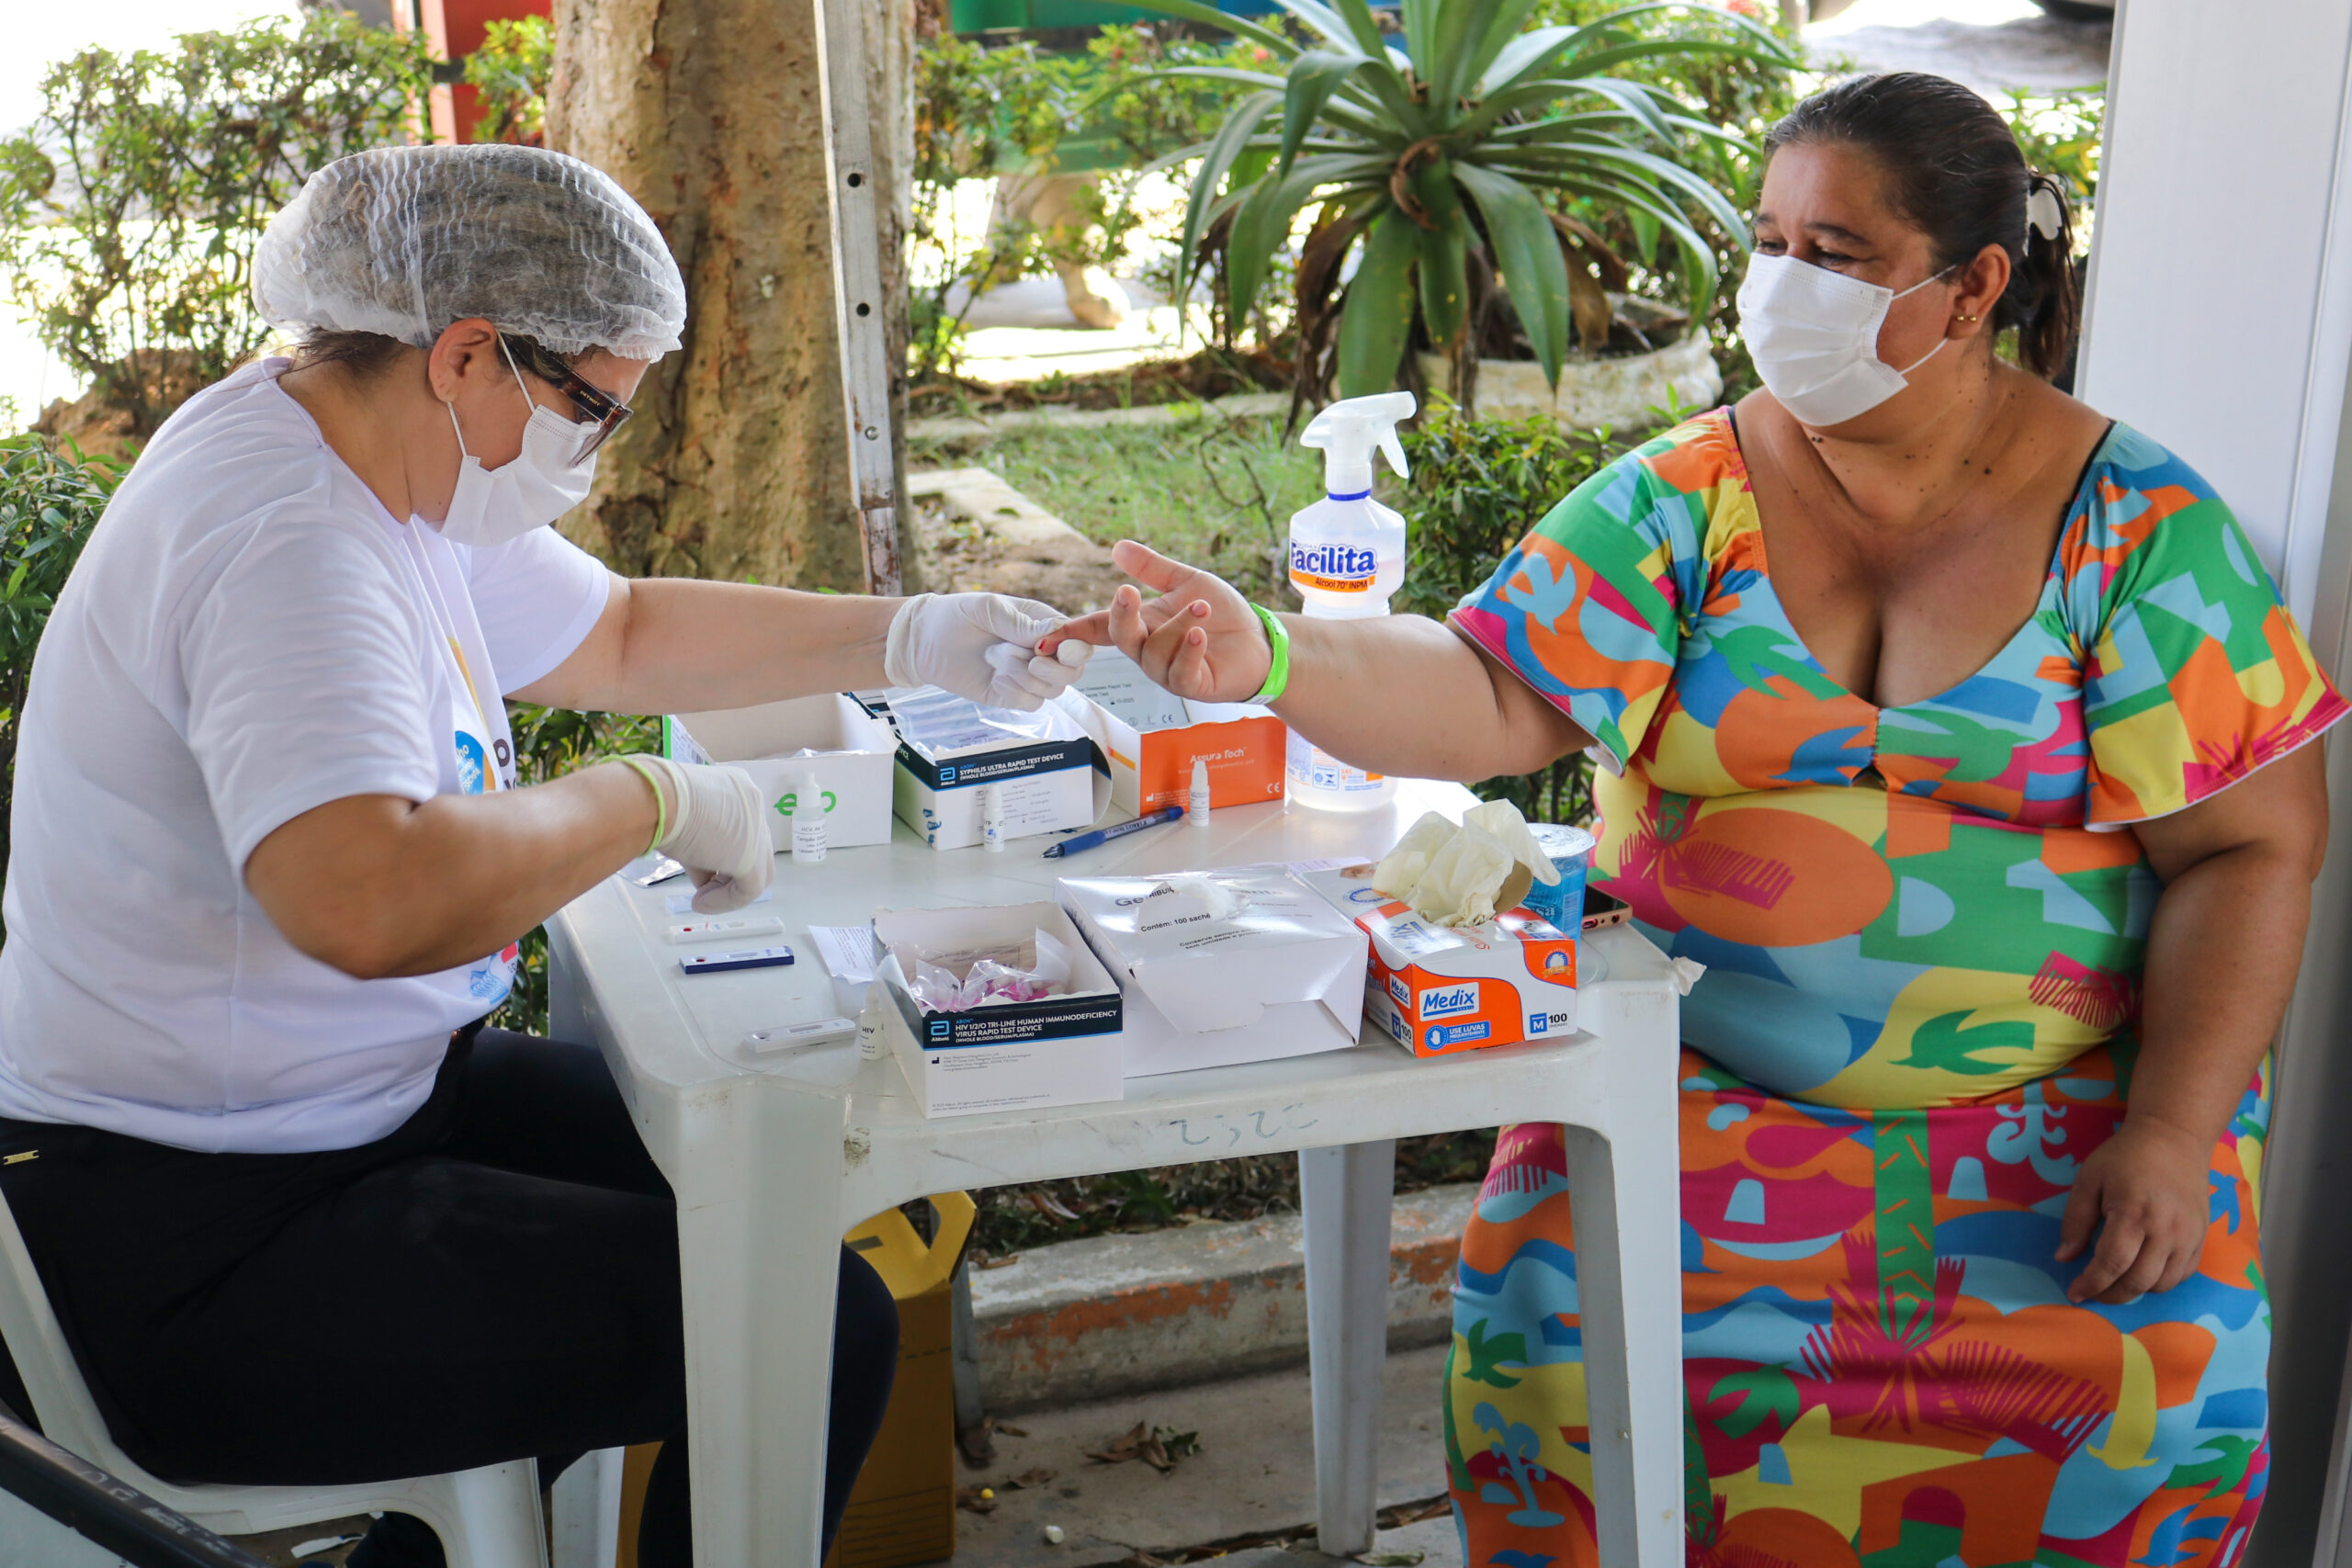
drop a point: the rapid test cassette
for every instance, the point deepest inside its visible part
(743, 958)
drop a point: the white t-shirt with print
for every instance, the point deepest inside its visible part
(249, 635)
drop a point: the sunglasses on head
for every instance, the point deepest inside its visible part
(597, 408)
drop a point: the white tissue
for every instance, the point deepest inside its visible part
(1460, 875)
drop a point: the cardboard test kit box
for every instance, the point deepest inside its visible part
(851, 763)
(1057, 1049)
(1224, 966)
(1042, 763)
(1150, 739)
(1440, 989)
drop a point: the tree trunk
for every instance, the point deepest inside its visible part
(710, 112)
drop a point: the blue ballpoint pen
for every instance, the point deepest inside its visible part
(1105, 835)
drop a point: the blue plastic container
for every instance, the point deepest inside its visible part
(1570, 850)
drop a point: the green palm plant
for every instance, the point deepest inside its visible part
(1451, 159)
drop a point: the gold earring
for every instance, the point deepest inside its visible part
(1968, 318)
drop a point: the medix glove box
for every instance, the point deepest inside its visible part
(1043, 763)
(852, 762)
(1222, 966)
(1150, 738)
(1438, 991)
(1057, 1050)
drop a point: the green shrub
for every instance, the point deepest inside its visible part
(1012, 108)
(50, 497)
(1478, 486)
(130, 207)
(510, 71)
(549, 743)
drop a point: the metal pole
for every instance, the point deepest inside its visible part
(857, 287)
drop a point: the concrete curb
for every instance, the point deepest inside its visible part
(979, 427)
(1022, 548)
(1114, 1315)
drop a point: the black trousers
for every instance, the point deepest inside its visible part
(497, 1280)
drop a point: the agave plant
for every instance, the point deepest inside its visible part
(1441, 157)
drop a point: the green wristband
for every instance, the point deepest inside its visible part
(1277, 672)
(643, 768)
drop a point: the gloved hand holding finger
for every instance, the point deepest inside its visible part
(714, 822)
(980, 646)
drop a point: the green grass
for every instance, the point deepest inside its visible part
(1213, 491)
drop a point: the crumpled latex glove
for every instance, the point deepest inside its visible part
(983, 647)
(716, 826)
(1400, 871)
(1461, 875)
(1501, 819)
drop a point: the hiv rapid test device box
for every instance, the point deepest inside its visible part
(1061, 1049)
(1439, 990)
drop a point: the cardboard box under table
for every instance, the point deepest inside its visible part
(903, 1509)
(851, 763)
(1281, 975)
(1150, 738)
(1437, 990)
(1057, 1049)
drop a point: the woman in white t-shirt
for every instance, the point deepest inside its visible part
(306, 1221)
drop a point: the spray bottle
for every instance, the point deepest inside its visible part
(1347, 558)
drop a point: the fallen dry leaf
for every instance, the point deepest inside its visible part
(1028, 1477)
(969, 1498)
(1047, 1205)
(1008, 1428)
(1120, 1449)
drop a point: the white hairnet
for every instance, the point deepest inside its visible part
(403, 241)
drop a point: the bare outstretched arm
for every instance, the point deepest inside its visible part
(1394, 695)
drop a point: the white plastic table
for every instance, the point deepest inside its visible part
(772, 1163)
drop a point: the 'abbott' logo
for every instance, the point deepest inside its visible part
(1444, 1001)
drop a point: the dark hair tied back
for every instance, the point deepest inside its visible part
(1953, 171)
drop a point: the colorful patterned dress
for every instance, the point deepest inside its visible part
(1923, 931)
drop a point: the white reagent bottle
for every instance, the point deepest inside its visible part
(1347, 558)
(808, 819)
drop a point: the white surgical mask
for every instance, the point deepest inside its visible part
(491, 506)
(1814, 335)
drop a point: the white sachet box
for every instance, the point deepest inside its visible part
(1222, 966)
(851, 760)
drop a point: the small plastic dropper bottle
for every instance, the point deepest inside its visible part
(992, 817)
(1196, 802)
(808, 819)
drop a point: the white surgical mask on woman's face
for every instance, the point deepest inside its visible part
(491, 506)
(1814, 335)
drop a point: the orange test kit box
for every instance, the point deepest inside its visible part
(1150, 739)
(1439, 990)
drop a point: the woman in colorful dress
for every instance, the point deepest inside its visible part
(1958, 731)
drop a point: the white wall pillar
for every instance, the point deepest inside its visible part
(2221, 324)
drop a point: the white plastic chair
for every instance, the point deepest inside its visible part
(486, 1518)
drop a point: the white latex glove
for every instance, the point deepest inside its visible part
(980, 646)
(718, 828)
